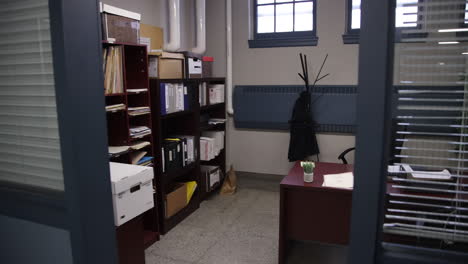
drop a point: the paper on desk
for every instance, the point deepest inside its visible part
(340, 180)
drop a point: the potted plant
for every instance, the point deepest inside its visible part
(308, 167)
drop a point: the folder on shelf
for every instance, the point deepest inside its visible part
(116, 150)
(136, 156)
(191, 187)
(139, 145)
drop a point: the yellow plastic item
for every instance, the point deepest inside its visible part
(191, 187)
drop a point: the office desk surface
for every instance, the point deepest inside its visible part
(295, 178)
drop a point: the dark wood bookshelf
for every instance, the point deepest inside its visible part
(135, 76)
(185, 122)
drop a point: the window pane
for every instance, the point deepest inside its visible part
(303, 17)
(406, 13)
(356, 14)
(284, 18)
(284, 1)
(266, 19)
(29, 136)
(260, 2)
(466, 13)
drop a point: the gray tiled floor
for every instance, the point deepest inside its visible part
(237, 229)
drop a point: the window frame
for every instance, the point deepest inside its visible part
(284, 39)
(351, 36)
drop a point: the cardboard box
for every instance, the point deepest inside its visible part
(207, 66)
(193, 65)
(176, 200)
(154, 37)
(120, 25)
(132, 191)
(171, 66)
(212, 175)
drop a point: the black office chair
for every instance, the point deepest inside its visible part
(394, 151)
(343, 154)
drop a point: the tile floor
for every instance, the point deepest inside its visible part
(238, 229)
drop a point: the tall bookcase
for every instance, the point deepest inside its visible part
(135, 76)
(186, 122)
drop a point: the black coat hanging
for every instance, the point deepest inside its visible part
(303, 140)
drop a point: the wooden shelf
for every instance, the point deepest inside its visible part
(105, 42)
(150, 237)
(114, 94)
(207, 127)
(211, 107)
(177, 114)
(171, 176)
(182, 214)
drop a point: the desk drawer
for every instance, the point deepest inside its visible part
(322, 216)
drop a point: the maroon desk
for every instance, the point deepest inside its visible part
(309, 211)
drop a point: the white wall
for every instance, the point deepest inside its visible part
(266, 151)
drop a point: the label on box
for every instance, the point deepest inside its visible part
(147, 42)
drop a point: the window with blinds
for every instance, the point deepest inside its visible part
(427, 190)
(29, 137)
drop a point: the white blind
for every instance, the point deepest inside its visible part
(29, 138)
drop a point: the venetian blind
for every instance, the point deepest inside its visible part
(29, 138)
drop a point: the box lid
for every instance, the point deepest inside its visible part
(170, 55)
(206, 58)
(192, 55)
(105, 8)
(125, 176)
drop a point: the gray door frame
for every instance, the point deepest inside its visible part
(85, 208)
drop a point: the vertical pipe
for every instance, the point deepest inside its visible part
(229, 107)
(200, 19)
(174, 26)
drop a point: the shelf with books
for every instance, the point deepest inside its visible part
(212, 106)
(183, 122)
(127, 89)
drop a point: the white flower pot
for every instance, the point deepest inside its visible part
(308, 177)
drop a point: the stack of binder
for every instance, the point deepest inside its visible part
(211, 144)
(216, 93)
(139, 131)
(178, 152)
(113, 73)
(174, 98)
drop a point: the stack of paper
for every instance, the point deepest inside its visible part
(341, 180)
(215, 121)
(113, 74)
(139, 145)
(135, 111)
(139, 131)
(137, 90)
(115, 107)
(116, 150)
